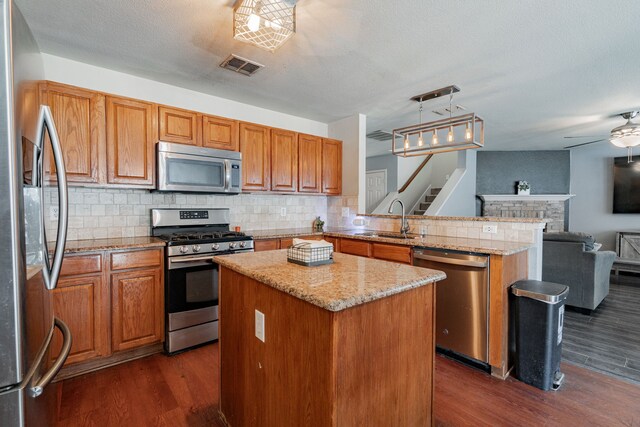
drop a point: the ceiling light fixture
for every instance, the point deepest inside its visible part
(628, 135)
(471, 130)
(264, 23)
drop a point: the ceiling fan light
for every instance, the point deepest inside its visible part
(626, 141)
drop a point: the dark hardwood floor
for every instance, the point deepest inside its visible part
(609, 339)
(183, 391)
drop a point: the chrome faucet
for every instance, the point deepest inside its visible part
(404, 225)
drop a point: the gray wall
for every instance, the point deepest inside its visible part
(548, 172)
(592, 183)
(388, 162)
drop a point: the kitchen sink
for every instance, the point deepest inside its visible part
(389, 235)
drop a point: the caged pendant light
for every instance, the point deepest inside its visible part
(451, 134)
(264, 23)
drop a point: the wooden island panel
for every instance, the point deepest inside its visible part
(371, 364)
(505, 271)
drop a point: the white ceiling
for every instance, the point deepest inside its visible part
(535, 71)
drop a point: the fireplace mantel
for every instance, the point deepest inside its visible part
(522, 198)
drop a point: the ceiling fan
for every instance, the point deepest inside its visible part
(624, 136)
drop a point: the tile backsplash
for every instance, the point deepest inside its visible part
(96, 213)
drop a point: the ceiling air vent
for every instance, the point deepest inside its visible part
(380, 135)
(241, 65)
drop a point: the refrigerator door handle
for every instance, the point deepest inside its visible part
(51, 272)
(37, 389)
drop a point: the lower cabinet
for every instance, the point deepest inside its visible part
(111, 301)
(136, 309)
(82, 303)
(284, 243)
(384, 251)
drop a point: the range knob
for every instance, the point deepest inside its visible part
(242, 244)
(184, 249)
(232, 245)
(215, 246)
(196, 248)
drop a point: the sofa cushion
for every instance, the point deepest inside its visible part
(569, 236)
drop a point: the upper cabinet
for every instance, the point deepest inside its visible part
(131, 138)
(331, 166)
(220, 133)
(110, 141)
(256, 157)
(284, 160)
(177, 125)
(79, 116)
(309, 164)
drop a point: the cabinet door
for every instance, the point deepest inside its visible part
(335, 241)
(82, 303)
(220, 133)
(256, 155)
(309, 164)
(284, 160)
(79, 116)
(355, 247)
(266, 245)
(395, 253)
(178, 126)
(331, 166)
(137, 309)
(131, 137)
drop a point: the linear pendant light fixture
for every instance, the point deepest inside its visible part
(440, 136)
(264, 23)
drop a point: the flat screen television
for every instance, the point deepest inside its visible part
(626, 185)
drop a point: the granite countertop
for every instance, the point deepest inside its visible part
(33, 269)
(348, 282)
(288, 232)
(490, 247)
(92, 245)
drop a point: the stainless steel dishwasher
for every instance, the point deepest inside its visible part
(462, 300)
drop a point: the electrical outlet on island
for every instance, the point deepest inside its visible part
(260, 325)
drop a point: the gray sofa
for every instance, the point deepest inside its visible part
(570, 259)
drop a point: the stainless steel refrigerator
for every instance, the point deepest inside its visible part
(32, 185)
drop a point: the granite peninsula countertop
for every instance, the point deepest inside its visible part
(348, 282)
(93, 245)
(491, 247)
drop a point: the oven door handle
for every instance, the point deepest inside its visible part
(202, 258)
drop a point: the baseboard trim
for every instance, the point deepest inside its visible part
(115, 359)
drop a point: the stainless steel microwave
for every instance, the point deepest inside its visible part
(195, 169)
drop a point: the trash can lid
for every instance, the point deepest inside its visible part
(547, 292)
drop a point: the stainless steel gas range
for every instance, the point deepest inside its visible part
(194, 237)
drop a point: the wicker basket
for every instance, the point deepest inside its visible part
(307, 256)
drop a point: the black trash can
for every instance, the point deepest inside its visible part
(539, 315)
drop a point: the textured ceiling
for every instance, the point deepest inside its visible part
(535, 71)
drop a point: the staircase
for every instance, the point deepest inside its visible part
(423, 206)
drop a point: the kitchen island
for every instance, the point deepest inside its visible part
(349, 343)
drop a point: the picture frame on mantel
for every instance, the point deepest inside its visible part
(523, 188)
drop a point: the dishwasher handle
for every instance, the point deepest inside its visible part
(447, 260)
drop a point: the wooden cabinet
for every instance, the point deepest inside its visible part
(266, 245)
(396, 253)
(331, 166)
(137, 315)
(175, 125)
(355, 247)
(284, 160)
(79, 116)
(256, 157)
(309, 164)
(137, 299)
(220, 133)
(131, 137)
(81, 300)
(335, 241)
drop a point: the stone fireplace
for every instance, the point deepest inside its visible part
(544, 206)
